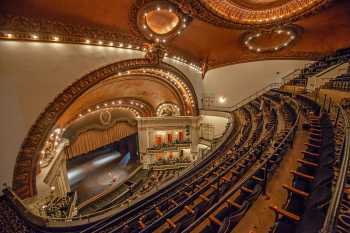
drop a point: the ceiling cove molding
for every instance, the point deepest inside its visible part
(24, 177)
(207, 11)
(144, 108)
(24, 27)
(21, 28)
(275, 56)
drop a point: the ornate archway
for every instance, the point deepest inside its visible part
(24, 178)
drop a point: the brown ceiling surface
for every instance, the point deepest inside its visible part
(324, 32)
(147, 89)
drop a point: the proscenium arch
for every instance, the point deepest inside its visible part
(24, 176)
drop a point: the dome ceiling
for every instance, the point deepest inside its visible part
(201, 31)
(145, 88)
(162, 21)
(261, 12)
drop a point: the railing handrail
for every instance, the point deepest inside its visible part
(239, 183)
(330, 220)
(243, 101)
(330, 69)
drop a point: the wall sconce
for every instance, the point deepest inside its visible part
(222, 99)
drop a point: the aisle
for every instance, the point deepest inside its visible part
(260, 218)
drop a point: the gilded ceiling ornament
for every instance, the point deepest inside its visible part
(155, 53)
(253, 13)
(159, 21)
(271, 40)
(105, 117)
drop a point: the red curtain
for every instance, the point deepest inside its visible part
(181, 136)
(158, 140)
(170, 138)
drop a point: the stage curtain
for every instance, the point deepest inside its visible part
(93, 139)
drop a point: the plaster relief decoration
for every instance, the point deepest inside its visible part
(254, 13)
(105, 117)
(167, 110)
(158, 21)
(24, 179)
(271, 40)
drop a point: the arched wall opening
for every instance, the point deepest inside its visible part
(24, 182)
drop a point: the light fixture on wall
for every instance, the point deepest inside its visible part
(222, 99)
(66, 39)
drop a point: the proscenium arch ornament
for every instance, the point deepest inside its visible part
(24, 177)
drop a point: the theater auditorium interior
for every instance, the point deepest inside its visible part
(175, 116)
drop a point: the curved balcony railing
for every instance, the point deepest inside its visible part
(105, 213)
(333, 210)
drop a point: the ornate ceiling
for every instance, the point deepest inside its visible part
(198, 31)
(260, 12)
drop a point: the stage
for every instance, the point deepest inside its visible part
(90, 175)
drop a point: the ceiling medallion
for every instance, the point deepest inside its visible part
(271, 40)
(255, 13)
(160, 21)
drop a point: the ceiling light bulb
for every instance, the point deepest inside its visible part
(87, 41)
(55, 38)
(111, 44)
(9, 35)
(100, 42)
(35, 37)
(158, 8)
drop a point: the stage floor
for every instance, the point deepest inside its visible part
(91, 176)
